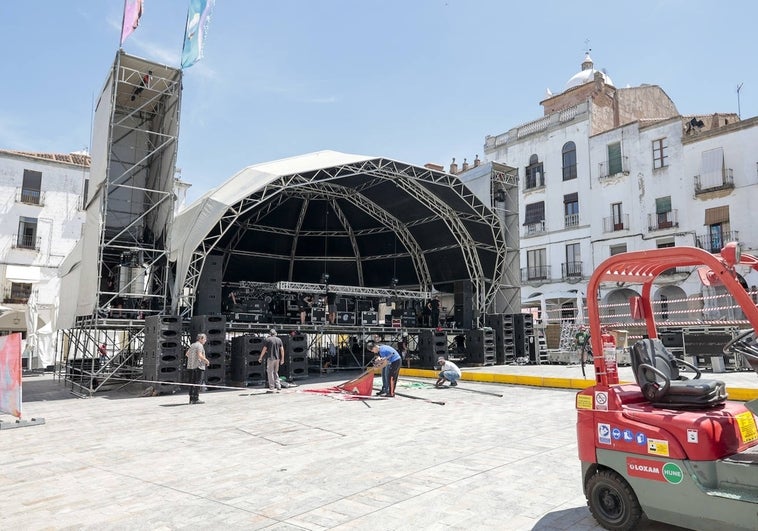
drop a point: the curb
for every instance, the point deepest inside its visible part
(735, 393)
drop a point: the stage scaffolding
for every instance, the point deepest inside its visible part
(129, 220)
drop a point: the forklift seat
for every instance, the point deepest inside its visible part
(657, 373)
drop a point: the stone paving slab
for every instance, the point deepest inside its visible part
(296, 460)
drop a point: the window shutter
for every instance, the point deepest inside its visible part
(663, 205)
(535, 213)
(716, 215)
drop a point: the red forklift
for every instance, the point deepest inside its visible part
(671, 446)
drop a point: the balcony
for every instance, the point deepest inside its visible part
(30, 197)
(571, 270)
(19, 294)
(571, 220)
(605, 169)
(534, 229)
(704, 184)
(664, 220)
(535, 273)
(25, 241)
(613, 224)
(713, 243)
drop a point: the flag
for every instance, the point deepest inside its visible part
(132, 14)
(198, 14)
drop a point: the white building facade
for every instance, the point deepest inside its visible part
(42, 216)
(609, 170)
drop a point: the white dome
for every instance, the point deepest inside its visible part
(586, 74)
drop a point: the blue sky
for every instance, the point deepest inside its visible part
(413, 80)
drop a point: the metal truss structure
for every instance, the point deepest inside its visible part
(363, 188)
(129, 216)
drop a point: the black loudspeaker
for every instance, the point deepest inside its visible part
(295, 356)
(523, 329)
(480, 346)
(162, 354)
(245, 368)
(502, 326)
(431, 345)
(463, 307)
(214, 327)
(208, 299)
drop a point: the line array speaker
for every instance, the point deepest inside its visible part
(162, 354)
(208, 299)
(480, 346)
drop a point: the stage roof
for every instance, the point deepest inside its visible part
(362, 220)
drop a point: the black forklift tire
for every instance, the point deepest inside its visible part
(612, 501)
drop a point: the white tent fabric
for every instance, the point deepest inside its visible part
(192, 224)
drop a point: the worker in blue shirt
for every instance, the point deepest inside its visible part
(386, 355)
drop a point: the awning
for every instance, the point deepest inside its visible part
(716, 215)
(23, 274)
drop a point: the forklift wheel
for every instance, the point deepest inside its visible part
(612, 501)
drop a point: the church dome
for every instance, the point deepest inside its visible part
(586, 74)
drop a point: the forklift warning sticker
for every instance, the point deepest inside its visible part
(601, 400)
(658, 447)
(655, 470)
(583, 402)
(747, 427)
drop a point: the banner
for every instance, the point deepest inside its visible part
(10, 374)
(198, 15)
(132, 14)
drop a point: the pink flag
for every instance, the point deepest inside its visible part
(132, 14)
(10, 374)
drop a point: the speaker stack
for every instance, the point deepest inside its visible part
(162, 355)
(245, 368)
(431, 345)
(463, 307)
(523, 329)
(480, 346)
(208, 299)
(502, 326)
(295, 356)
(214, 327)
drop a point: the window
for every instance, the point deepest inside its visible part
(27, 233)
(573, 261)
(31, 188)
(617, 216)
(663, 212)
(536, 264)
(20, 293)
(569, 161)
(618, 249)
(85, 194)
(659, 153)
(717, 221)
(571, 209)
(534, 174)
(664, 307)
(534, 219)
(614, 158)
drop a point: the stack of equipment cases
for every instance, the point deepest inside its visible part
(523, 329)
(502, 326)
(431, 345)
(214, 327)
(246, 369)
(295, 356)
(480, 346)
(163, 356)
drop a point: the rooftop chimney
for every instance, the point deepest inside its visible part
(453, 167)
(477, 162)
(465, 165)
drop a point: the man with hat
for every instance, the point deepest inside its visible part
(273, 350)
(448, 371)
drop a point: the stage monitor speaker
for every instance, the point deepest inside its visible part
(463, 307)
(208, 299)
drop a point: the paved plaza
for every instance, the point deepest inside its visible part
(295, 460)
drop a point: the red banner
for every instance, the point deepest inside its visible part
(10, 374)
